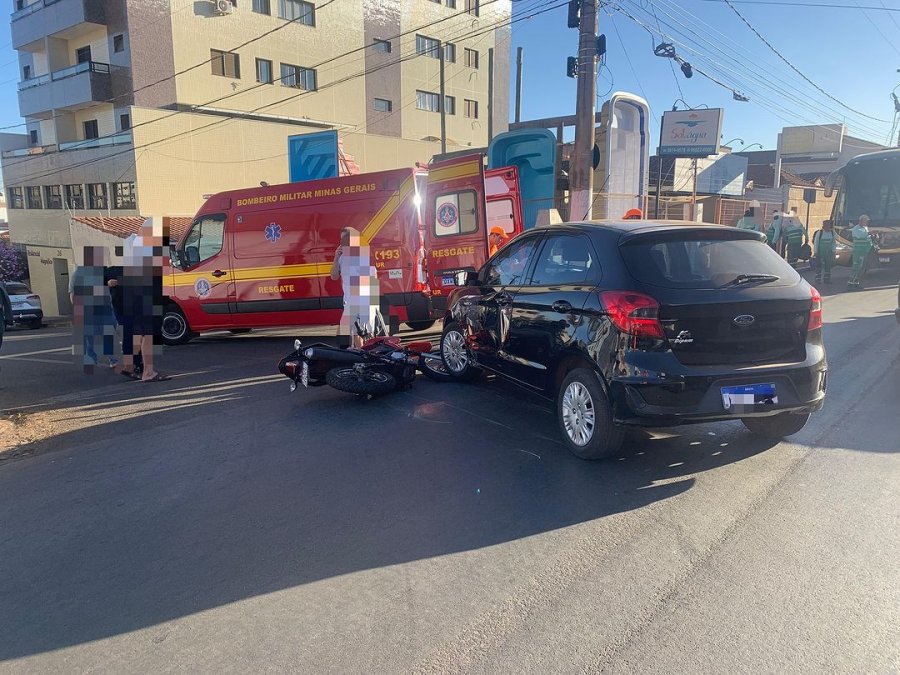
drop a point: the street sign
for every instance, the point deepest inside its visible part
(809, 195)
(691, 133)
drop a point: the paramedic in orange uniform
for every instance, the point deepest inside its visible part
(497, 238)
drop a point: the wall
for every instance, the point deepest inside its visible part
(105, 116)
(231, 153)
(42, 278)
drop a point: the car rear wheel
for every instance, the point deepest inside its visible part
(175, 329)
(586, 417)
(455, 353)
(776, 426)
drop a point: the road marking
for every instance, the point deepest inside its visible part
(53, 361)
(40, 351)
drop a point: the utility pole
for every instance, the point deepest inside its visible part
(443, 103)
(490, 109)
(581, 191)
(694, 194)
(519, 60)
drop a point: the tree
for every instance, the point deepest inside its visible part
(13, 264)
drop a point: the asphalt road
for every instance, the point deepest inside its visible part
(217, 522)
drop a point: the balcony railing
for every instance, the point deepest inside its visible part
(31, 9)
(122, 138)
(77, 69)
(35, 150)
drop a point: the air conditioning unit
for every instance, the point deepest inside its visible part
(223, 7)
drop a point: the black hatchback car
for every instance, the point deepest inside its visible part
(643, 323)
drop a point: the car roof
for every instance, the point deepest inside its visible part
(634, 227)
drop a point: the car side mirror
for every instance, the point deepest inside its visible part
(472, 278)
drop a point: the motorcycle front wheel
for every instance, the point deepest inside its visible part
(362, 382)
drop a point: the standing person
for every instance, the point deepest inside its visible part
(823, 247)
(93, 310)
(141, 304)
(496, 239)
(114, 277)
(773, 233)
(794, 235)
(359, 283)
(862, 246)
(747, 222)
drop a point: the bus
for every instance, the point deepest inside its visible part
(869, 185)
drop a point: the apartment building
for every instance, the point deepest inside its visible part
(142, 108)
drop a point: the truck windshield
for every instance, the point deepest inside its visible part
(870, 187)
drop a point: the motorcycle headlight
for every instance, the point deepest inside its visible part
(297, 345)
(308, 353)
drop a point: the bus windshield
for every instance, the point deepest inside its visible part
(870, 187)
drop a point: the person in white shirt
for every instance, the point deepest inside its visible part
(359, 283)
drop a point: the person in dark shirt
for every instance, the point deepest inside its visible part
(114, 278)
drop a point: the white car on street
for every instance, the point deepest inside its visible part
(26, 306)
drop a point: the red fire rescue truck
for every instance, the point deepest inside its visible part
(261, 257)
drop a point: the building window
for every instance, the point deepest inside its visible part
(450, 3)
(450, 104)
(297, 10)
(264, 71)
(53, 196)
(91, 130)
(125, 122)
(123, 196)
(383, 105)
(472, 7)
(16, 198)
(97, 196)
(471, 58)
(382, 46)
(118, 43)
(75, 196)
(298, 77)
(83, 54)
(450, 52)
(427, 46)
(426, 100)
(262, 7)
(472, 109)
(33, 197)
(26, 72)
(226, 64)
(32, 136)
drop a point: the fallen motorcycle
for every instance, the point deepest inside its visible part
(382, 364)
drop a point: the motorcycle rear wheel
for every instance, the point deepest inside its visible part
(360, 382)
(434, 369)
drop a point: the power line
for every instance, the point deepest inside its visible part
(412, 55)
(881, 32)
(781, 3)
(795, 69)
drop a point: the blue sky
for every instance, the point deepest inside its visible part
(846, 52)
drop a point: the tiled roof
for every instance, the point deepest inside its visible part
(123, 226)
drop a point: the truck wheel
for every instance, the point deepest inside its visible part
(175, 329)
(455, 354)
(360, 382)
(586, 417)
(420, 325)
(776, 426)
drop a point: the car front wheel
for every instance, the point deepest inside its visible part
(586, 417)
(455, 353)
(776, 426)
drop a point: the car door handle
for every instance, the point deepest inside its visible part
(219, 273)
(562, 307)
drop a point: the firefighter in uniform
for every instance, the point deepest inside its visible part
(773, 233)
(794, 233)
(862, 245)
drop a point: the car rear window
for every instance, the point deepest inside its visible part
(702, 261)
(17, 289)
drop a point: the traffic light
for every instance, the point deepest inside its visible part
(574, 11)
(571, 66)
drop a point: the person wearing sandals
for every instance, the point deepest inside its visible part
(142, 289)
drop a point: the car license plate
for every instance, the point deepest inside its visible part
(884, 259)
(304, 374)
(748, 397)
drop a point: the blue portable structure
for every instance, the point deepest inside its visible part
(313, 156)
(533, 153)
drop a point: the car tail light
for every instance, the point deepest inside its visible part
(815, 312)
(633, 313)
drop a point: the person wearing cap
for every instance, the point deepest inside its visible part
(633, 214)
(862, 245)
(496, 238)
